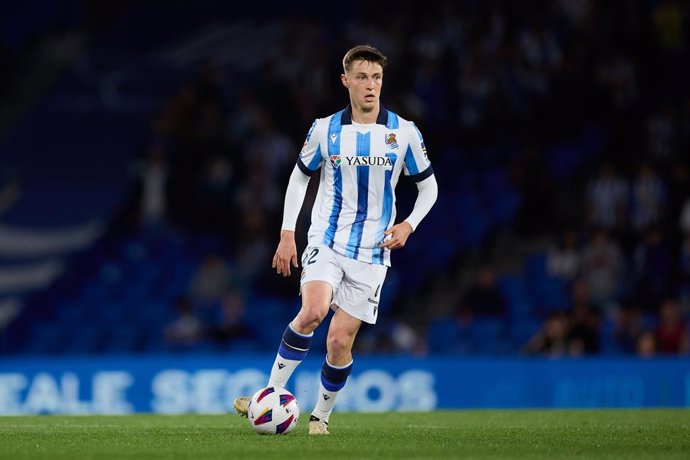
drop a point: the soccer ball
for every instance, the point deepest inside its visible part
(273, 410)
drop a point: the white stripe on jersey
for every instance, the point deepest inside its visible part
(361, 164)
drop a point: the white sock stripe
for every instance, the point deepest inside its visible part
(293, 347)
(298, 333)
(339, 367)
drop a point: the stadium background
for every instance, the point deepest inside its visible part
(145, 148)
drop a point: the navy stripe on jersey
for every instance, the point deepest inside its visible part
(334, 130)
(314, 163)
(302, 167)
(422, 175)
(363, 150)
(383, 117)
(385, 212)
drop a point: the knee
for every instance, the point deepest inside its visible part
(309, 318)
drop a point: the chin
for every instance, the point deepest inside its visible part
(369, 106)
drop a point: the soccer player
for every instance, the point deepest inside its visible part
(361, 151)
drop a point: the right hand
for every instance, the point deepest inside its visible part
(286, 253)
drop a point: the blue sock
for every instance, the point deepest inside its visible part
(292, 350)
(333, 379)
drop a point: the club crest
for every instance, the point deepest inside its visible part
(391, 140)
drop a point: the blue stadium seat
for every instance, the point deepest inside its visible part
(550, 294)
(44, 338)
(86, 338)
(504, 206)
(444, 336)
(607, 340)
(535, 266)
(521, 330)
(512, 286)
(489, 336)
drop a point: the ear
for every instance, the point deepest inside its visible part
(343, 79)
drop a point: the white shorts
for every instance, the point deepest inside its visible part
(356, 285)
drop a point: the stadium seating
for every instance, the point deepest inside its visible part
(114, 292)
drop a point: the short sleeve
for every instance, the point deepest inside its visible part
(417, 164)
(310, 157)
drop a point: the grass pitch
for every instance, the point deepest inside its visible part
(584, 434)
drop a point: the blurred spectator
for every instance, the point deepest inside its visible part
(212, 279)
(260, 192)
(646, 345)
(407, 340)
(648, 198)
(396, 337)
(607, 199)
(684, 272)
(484, 297)
(671, 333)
(629, 326)
(213, 194)
(147, 207)
(618, 77)
(685, 217)
(563, 259)
(662, 135)
(231, 324)
(679, 197)
(154, 176)
(186, 328)
(651, 269)
(584, 322)
(552, 338)
(602, 267)
(669, 22)
(253, 255)
(536, 183)
(269, 151)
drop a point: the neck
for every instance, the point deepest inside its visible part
(360, 116)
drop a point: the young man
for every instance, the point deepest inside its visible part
(361, 151)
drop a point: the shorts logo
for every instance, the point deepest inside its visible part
(390, 140)
(335, 161)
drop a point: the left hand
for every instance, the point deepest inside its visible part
(399, 234)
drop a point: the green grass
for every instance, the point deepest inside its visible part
(584, 434)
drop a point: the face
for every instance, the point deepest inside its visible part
(364, 81)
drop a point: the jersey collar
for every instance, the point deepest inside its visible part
(381, 119)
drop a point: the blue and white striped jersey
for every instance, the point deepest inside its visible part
(361, 164)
